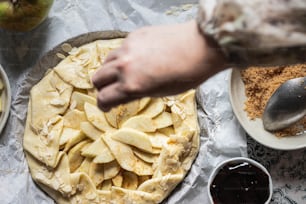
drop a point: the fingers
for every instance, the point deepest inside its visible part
(106, 75)
(111, 96)
(112, 56)
(107, 81)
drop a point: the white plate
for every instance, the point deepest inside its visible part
(255, 127)
(5, 99)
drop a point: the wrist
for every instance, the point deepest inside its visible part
(213, 58)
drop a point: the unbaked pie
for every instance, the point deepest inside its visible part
(136, 153)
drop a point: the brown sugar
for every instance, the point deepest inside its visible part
(260, 83)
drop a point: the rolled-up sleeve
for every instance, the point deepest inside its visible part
(256, 32)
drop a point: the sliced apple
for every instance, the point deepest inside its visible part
(156, 150)
(106, 185)
(154, 108)
(142, 179)
(84, 168)
(111, 169)
(142, 123)
(112, 117)
(96, 117)
(99, 150)
(92, 92)
(80, 98)
(168, 131)
(116, 116)
(122, 152)
(188, 100)
(158, 140)
(96, 173)
(74, 156)
(130, 180)
(118, 179)
(90, 131)
(133, 137)
(142, 168)
(74, 140)
(104, 158)
(73, 119)
(67, 134)
(143, 103)
(177, 120)
(147, 157)
(93, 149)
(126, 158)
(163, 120)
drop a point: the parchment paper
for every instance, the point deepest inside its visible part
(221, 135)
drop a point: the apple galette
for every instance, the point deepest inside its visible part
(135, 153)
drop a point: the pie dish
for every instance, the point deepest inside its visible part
(136, 153)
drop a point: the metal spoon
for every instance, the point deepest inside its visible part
(286, 106)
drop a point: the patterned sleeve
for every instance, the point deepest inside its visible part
(256, 32)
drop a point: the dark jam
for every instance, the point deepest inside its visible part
(240, 182)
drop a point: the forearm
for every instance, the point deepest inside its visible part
(256, 32)
(157, 61)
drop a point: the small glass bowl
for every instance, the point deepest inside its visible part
(238, 160)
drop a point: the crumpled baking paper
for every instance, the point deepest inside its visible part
(221, 135)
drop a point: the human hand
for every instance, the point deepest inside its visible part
(157, 61)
